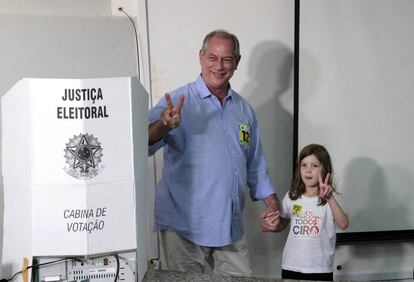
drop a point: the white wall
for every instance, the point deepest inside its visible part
(76, 8)
(355, 97)
(356, 68)
(264, 78)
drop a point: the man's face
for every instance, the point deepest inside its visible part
(218, 63)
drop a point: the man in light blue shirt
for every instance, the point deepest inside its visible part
(212, 153)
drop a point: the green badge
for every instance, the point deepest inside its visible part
(296, 209)
(244, 134)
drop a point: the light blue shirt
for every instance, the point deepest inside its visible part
(209, 160)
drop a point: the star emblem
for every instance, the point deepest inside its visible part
(83, 154)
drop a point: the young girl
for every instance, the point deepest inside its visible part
(312, 210)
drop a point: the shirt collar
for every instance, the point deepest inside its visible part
(203, 90)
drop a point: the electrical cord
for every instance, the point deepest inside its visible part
(136, 41)
(34, 266)
(117, 266)
(154, 162)
(59, 260)
(127, 263)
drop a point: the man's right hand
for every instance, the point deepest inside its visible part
(171, 116)
(169, 119)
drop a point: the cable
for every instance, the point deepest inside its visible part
(136, 41)
(126, 263)
(117, 266)
(34, 266)
(154, 161)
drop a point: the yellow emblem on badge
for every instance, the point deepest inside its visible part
(296, 210)
(244, 134)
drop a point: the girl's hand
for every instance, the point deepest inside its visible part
(270, 220)
(325, 190)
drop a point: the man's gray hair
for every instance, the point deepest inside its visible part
(223, 34)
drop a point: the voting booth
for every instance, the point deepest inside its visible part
(74, 163)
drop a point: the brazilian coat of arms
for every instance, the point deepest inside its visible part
(83, 155)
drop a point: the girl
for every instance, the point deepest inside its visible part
(312, 210)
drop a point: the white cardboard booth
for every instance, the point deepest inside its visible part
(74, 159)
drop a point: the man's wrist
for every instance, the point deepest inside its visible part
(272, 201)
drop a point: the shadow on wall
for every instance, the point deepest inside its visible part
(309, 86)
(270, 92)
(374, 204)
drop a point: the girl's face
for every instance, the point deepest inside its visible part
(310, 169)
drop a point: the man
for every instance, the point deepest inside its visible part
(212, 151)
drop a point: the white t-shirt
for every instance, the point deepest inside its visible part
(310, 245)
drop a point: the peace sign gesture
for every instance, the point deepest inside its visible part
(325, 189)
(170, 116)
(169, 119)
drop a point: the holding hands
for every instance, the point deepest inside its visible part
(270, 220)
